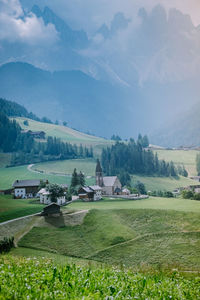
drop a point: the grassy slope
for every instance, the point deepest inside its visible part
(163, 183)
(67, 166)
(13, 208)
(9, 175)
(179, 157)
(177, 204)
(66, 134)
(174, 235)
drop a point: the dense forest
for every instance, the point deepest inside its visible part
(26, 150)
(134, 158)
(13, 109)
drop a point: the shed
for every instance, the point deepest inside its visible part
(52, 209)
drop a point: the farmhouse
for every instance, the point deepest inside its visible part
(26, 188)
(45, 197)
(90, 193)
(110, 184)
(35, 134)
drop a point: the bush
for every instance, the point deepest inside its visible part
(187, 194)
(118, 240)
(196, 196)
(6, 244)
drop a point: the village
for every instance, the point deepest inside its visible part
(106, 186)
(47, 193)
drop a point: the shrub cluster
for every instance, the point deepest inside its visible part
(6, 244)
(190, 195)
(165, 194)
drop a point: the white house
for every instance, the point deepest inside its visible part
(90, 193)
(45, 197)
(26, 188)
(97, 192)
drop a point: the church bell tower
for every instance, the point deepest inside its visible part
(99, 174)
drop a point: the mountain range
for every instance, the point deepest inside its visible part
(125, 77)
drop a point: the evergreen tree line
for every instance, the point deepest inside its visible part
(11, 138)
(26, 150)
(133, 158)
(53, 149)
(13, 109)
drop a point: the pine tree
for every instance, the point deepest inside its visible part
(81, 179)
(75, 179)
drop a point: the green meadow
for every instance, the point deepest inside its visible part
(66, 134)
(180, 157)
(9, 175)
(128, 236)
(87, 166)
(14, 208)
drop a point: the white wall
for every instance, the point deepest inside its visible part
(20, 192)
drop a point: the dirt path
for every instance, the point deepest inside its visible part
(29, 168)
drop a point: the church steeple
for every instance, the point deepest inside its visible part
(99, 174)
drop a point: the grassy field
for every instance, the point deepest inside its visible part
(177, 204)
(180, 157)
(41, 279)
(9, 175)
(87, 166)
(129, 234)
(163, 183)
(14, 208)
(66, 134)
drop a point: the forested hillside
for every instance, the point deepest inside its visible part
(21, 143)
(135, 158)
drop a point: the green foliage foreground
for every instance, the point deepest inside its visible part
(36, 279)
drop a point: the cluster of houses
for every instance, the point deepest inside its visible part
(31, 189)
(105, 185)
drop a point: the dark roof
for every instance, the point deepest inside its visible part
(53, 205)
(95, 187)
(86, 189)
(25, 183)
(52, 208)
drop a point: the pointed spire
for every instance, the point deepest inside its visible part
(98, 167)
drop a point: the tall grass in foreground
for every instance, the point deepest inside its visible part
(41, 279)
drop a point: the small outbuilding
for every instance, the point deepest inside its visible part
(52, 209)
(126, 192)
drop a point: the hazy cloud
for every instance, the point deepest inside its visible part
(16, 26)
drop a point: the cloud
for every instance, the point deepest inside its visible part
(16, 26)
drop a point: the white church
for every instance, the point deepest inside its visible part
(110, 184)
